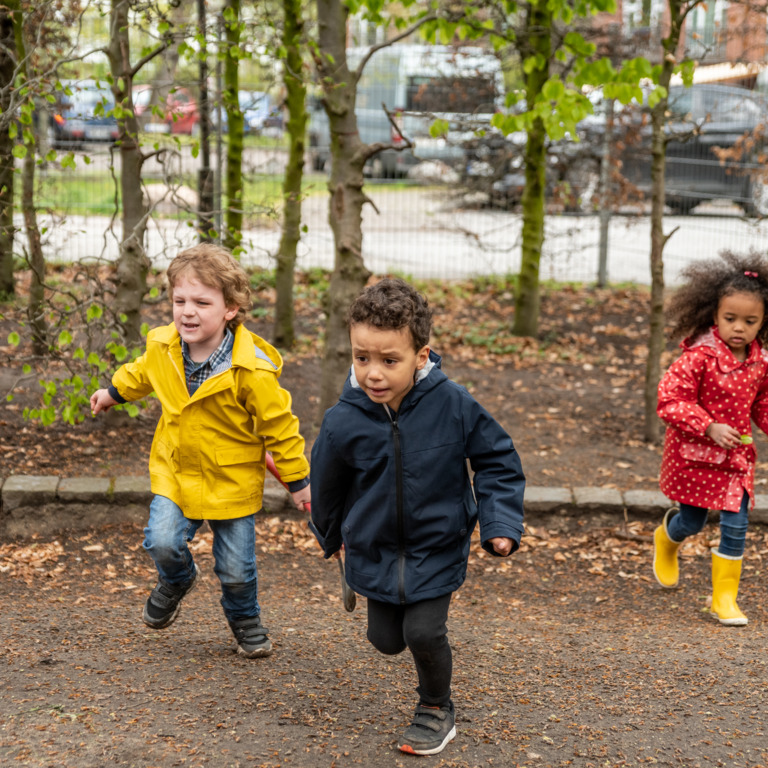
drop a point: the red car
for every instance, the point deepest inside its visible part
(179, 113)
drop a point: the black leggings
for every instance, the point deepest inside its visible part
(420, 627)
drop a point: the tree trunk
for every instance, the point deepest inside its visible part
(132, 265)
(296, 93)
(348, 155)
(36, 259)
(7, 72)
(205, 181)
(526, 322)
(233, 228)
(658, 238)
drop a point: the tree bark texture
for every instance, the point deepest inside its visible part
(348, 156)
(526, 322)
(296, 92)
(234, 215)
(132, 264)
(652, 428)
(35, 257)
(7, 73)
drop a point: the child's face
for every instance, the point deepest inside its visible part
(200, 315)
(385, 362)
(738, 319)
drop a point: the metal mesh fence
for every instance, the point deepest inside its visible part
(417, 229)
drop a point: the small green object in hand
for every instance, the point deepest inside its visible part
(746, 439)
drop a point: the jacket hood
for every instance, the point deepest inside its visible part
(427, 378)
(249, 351)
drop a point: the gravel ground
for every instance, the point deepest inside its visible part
(565, 654)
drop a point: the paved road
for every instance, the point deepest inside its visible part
(429, 233)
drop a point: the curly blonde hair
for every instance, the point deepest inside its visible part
(215, 267)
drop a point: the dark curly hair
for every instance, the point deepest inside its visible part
(693, 307)
(392, 304)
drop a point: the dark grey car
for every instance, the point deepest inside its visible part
(717, 135)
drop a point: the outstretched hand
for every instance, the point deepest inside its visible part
(101, 400)
(501, 545)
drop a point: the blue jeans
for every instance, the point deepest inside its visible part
(733, 526)
(166, 538)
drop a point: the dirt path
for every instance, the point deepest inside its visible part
(567, 654)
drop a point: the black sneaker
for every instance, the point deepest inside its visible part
(432, 728)
(251, 637)
(164, 602)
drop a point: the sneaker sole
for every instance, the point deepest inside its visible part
(257, 653)
(152, 624)
(409, 750)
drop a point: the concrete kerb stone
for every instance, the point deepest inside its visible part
(543, 499)
(28, 491)
(32, 502)
(85, 490)
(598, 499)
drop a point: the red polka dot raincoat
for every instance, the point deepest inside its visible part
(708, 384)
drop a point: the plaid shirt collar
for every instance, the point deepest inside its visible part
(219, 360)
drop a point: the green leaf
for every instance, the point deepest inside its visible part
(439, 128)
(65, 337)
(19, 151)
(14, 339)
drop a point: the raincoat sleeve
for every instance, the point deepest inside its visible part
(275, 423)
(329, 483)
(132, 381)
(499, 481)
(759, 411)
(678, 393)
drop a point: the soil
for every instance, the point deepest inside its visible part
(572, 399)
(565, 654)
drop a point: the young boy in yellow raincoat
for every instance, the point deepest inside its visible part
(223, 409)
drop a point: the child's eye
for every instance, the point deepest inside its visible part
(390, 361)
(361, 358)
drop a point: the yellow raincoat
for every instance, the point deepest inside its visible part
(208, 452)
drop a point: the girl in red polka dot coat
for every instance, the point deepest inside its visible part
(706, 399)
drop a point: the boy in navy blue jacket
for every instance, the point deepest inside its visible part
(390, 483)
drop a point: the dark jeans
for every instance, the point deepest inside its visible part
(421, 627)
(733, 526)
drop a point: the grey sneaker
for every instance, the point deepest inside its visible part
(432, 728)
(251, 637)
(164, 602)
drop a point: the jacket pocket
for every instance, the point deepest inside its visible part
(251, 454)
(703, 454)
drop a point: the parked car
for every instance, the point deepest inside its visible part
(717, 136)
(83, 111)
(260, 113)
(176, 112)
(418, 84)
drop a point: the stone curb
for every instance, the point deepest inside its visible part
(32, 504)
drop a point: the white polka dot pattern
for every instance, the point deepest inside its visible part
(708, 384)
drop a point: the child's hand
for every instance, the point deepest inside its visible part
(101, 400)
(502, 546)
(302, 499)
(724, 435)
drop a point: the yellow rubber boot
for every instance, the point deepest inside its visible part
(726, 574)
(665, 567)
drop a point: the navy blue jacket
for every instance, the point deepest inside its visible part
(395, 489)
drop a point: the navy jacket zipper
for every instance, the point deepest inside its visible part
(399, 502)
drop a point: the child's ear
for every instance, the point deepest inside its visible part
(230, 313)
(422, 356)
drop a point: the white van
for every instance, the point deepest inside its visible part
(420, 84)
